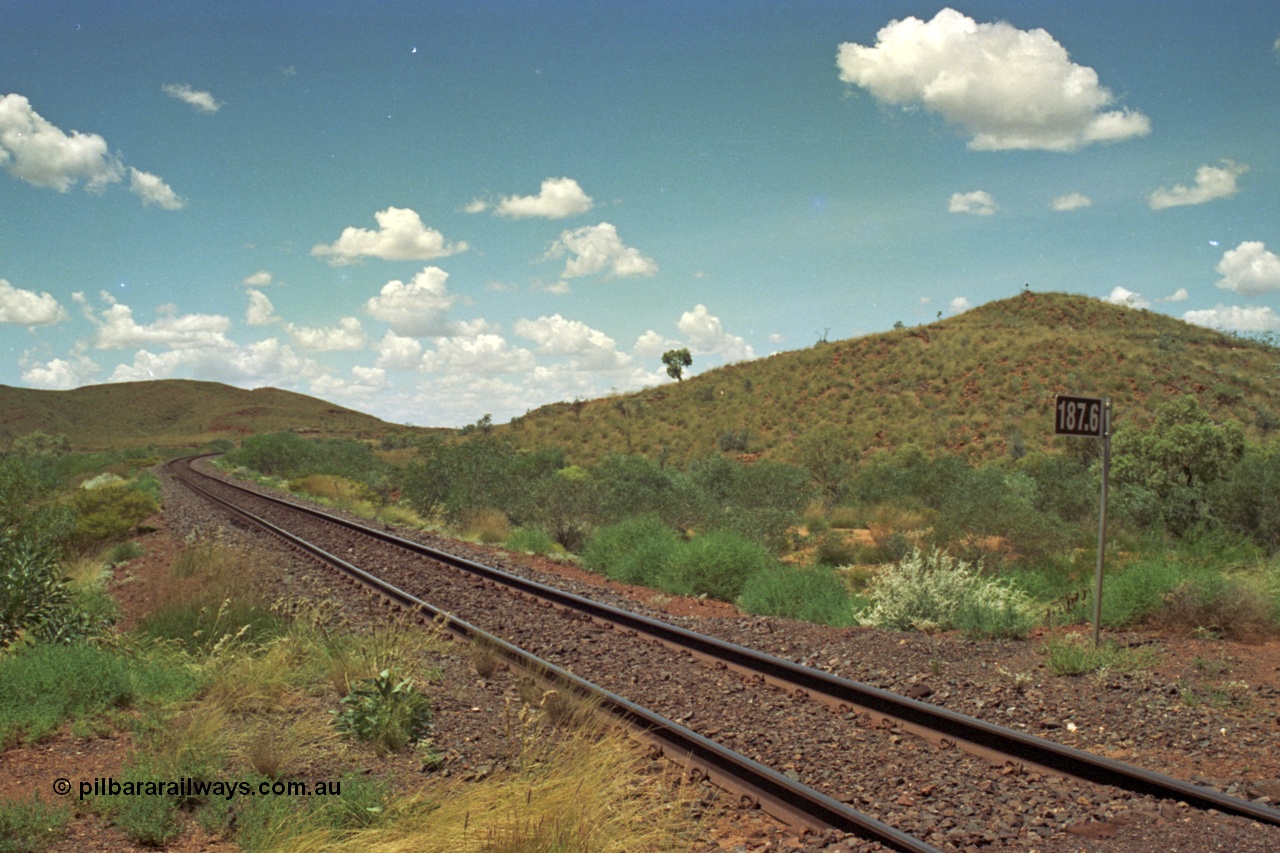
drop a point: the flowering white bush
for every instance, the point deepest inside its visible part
(936, 592)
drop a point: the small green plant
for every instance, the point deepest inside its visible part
(386, 713)
(814, 595)
(1076, 655)
(32, 587)
(28, 826)
(123, 553)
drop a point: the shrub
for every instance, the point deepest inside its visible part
(108, 513)
(32, 587)
(636, 551)
(489, 526)
(530, 540)
(27, 826)
(937, 592)
(388, 714)
(814, 595)
(716, 564)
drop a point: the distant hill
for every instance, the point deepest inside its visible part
(175, 413)
(980, 384)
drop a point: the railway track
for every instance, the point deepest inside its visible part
(831, 716)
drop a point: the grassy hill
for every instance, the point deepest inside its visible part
(975, 384)
(174, 412)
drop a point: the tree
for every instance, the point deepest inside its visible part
(676, 361)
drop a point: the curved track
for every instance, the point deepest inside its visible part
(775, 792)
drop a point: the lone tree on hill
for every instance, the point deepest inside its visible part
(676, 361)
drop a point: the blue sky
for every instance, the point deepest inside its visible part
(431, 211)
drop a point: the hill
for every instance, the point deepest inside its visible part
(981, 384)
(174, 412)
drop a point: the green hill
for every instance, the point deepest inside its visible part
(979, 384)
(174, 412)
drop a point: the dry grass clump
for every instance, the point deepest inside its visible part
(489, 526)
(580, 793)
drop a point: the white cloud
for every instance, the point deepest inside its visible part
(1211, 183)
(486, 354)
(1179, 295)
(116, 328)
(558, 198)
(1249, 269)
(152, 190)
(651, 344)
(39, 153)
(597, 249)
(396, 352)
(28, 308)
(401, 236)
(260, 311)
(1236, 319)
(590, 349)
(1071, 201)
(365, 382)
(418, 308)
(476, 205)
(706, 335)
(202, 101)
(976, 203)
(59, 374)
(959, 305)
(1008, 88)
(261, 278)
(265, 362)
(1123, 296)
(347, 335)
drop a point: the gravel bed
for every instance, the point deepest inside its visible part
(954, 801)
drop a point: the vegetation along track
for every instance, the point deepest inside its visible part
(849, 745)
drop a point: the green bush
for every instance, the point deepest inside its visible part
(109, 513)
(386, 713)
(28, 826)
(530, 540)
(716, 564)
(200, 624)
(937, 592)
(32, 587)
(814, 595)
(636, 551)
(43, 686)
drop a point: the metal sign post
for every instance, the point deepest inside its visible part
(1089, 416)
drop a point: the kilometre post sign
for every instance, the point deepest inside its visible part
(1079, 416)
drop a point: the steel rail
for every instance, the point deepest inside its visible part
(794, 803)
(939, 725)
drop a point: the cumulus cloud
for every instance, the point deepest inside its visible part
(1123, 296)
(27, 308)
(706, 335)
(1179, 295)
(364, 382)
(398, 352)
(41, 154)
(265, 362)
(152, 190)
(260, 311)
(1071, 201)
(419, 308)
(59, 374)
(261, 278)
(651, 344)
(1236, 319)
(1249, 269)
(959, 305)
(116, 328)
(558, 198)
(597, 249)
(487, 354)
(401, 236)
(202, 101)
(1008, 88)
(347, 335)
(1212, 183)
(590, 349)
(976, 203)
